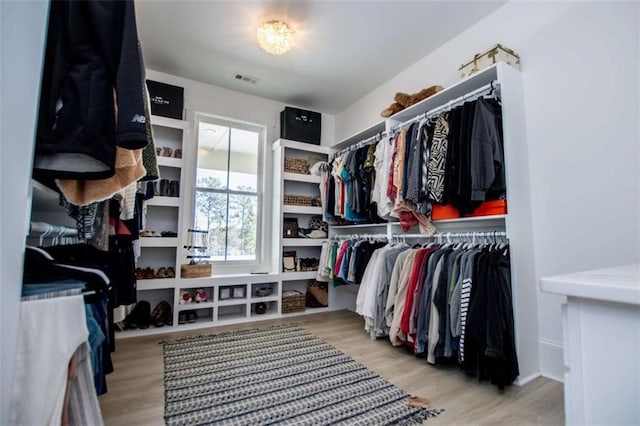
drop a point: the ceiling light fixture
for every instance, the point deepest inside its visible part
(275, 37)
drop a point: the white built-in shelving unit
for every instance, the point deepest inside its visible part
(516, 223)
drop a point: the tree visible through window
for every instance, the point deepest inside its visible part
(227, 197)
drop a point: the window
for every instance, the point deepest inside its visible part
(228, 192)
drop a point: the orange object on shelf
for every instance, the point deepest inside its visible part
(446, 211)
(490, 208)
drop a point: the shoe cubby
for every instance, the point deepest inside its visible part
(161, 219)
(156, 258)
(232, 312)
(156, 296)
(264, 291)
(195, 298)
(195, 315)
(259, 309)
(167, 137)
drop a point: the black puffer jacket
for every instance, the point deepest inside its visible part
(93, 67)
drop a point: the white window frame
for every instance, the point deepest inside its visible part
(236, 266)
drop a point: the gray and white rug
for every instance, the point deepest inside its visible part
(281, 374)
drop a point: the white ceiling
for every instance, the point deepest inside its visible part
(344, 49)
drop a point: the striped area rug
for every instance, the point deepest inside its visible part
(281, 374)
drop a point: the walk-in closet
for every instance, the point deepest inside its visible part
(310, 212)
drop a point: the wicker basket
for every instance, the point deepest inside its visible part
(296, 165)
(293, 301)
(198, 270)
(298, 200)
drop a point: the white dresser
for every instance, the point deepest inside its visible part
(601, 328)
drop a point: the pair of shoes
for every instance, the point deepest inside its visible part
(178, 153)
(166, 272)
(148, 274)
(199, 296)
(167, 188)
(187, 317)
(162, 314)
(140, 316)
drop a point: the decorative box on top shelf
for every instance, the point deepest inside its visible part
(489, 57)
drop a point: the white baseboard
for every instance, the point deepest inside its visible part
(521, 381)
(551, 359)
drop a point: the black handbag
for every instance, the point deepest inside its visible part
(300, 125)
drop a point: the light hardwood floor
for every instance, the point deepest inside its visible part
(136, 391)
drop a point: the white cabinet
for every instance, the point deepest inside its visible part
(601, 333)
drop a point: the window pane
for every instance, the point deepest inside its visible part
(243, 226)
(213, 156)
(243, 163)
(211, 214)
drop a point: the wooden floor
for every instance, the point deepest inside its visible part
(136, 391)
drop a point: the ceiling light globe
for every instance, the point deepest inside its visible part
(275, 37)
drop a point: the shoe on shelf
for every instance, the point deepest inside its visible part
(182, 317)
(166, 151)
(169, 234)
(148, 273)
(161, 273)
(171, 273)
(185, 297)
(156, 234)
(192, 316)
(139, 317)
(146, 233)
(168, 315)
(139, 273)
(159, 313)
(178, 153)
(200, 296)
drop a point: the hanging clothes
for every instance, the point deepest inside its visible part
(93, 48)
(448, 302)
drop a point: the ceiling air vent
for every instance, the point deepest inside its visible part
(246, 78)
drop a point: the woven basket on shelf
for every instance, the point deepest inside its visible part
(298, 200)
(296, 165)
(293, 301)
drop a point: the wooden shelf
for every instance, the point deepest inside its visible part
(285, 143)
(302, 242)
(359, 225)
(233, 302)
(158, 242)
(301, 209)
(299, 177)
(292, 276)
(195, 306)
(157, 120)
(157, 284)
(461, 88)
(169, 162)
(264, 299)
(164, 201)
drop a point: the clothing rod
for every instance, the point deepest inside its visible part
(471, 234)
(456, 234)
(375, 138)
(494, 85)
(53, 230)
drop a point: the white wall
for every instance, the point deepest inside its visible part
(580, 70)
(205, 98)
(22, 36)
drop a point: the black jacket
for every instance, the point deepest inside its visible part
(91, 96)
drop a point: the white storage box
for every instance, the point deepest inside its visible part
(489, 57)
